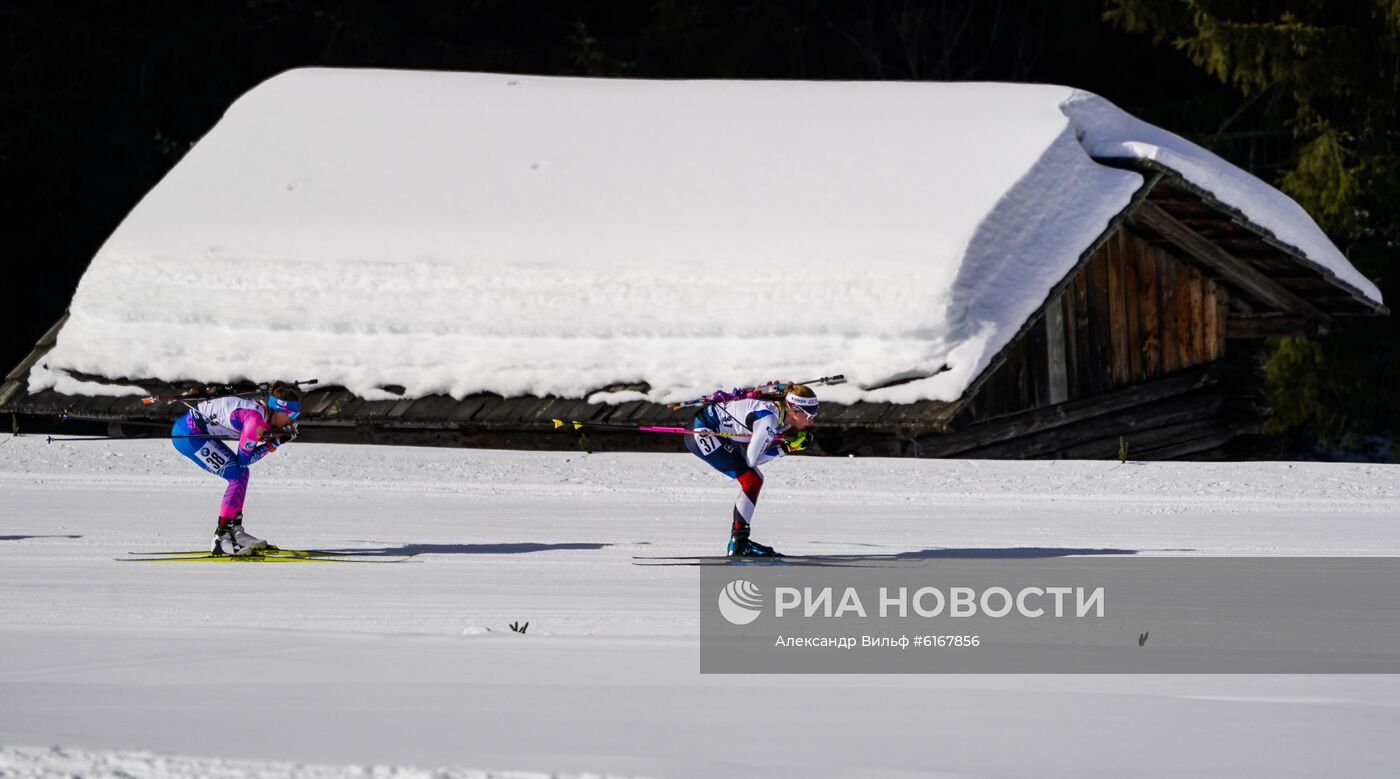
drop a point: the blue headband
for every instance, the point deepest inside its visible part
(291, 408)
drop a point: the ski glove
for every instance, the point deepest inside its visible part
(796, 441)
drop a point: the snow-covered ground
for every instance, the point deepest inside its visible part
(140, 669)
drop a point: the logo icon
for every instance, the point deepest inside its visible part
(740, 602)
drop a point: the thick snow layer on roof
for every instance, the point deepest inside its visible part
(1109, 132)
(458, 233)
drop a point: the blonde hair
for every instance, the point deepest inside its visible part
(780, 396)
(800, 390)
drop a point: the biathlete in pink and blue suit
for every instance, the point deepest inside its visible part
(260, 427)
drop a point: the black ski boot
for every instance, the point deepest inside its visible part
(741, 546)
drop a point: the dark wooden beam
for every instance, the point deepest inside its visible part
(1222, 263)
(1265, 325)
(1007, 428)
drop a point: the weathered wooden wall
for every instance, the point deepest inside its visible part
(1208, 411)
(1134, 312)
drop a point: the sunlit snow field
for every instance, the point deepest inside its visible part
(274, 670)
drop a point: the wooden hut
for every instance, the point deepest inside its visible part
(1150, 344)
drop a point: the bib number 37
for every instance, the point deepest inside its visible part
(707, 443)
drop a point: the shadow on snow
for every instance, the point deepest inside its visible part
(417, 549)
(1010, 552)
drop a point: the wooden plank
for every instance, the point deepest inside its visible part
(472, 405)
(1070, 345)
(1057, 374)
(529, 412)
(1197, 320)
(1151, 443)
(1208, 320)
(1132, 293)
(1101, 345)
(1166, 306)
(375, 409)
(982, 405)
(334, 406)
(1055, 417)
(1239, 326)
(1103, 325)
(976, 408)
(994, 390)
(351, 405)
(592, 412)
(41, 348)
(1037, 362)
(1134, 424)
(502, 414)
(315, 403)
(1028, 366)
(430, 408)
(1083, 350)
(1234, 270)
(1117, 312)
(1214, 322)
(1003, 400)
(1190, 447)
(1222, 313)
(1023, 397)
(919, 413)
(622, 412)
(1185, 315)
(1149, 318)
(859, 414)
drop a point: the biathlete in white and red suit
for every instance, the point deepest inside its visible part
(759, 430)
(260, 427)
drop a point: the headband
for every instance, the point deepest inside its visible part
(807, 405)
(291, 408)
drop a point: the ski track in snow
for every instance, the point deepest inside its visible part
(55, 762)
(127, 665)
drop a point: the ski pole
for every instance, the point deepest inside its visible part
(142, 423)
(134, 423)
(748, 392)
(577, 425)
(51, 439)
(268, 435)
(796, 442)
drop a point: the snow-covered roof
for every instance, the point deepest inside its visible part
(458, 233)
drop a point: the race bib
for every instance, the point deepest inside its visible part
(708, 444)
(213, 459)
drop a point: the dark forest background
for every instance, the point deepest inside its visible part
(101, 98)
